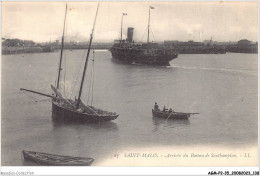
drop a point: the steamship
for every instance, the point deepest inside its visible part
(149, 53)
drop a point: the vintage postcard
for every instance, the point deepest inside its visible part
(119, 83)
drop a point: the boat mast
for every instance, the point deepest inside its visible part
(61, 51)
(86, 61)
(150, 7)
(121, 27)
(148, 25)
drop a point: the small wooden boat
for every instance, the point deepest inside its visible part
(171, 115)
(56, 160)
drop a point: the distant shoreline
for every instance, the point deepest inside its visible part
(38, 49)
(8, 50)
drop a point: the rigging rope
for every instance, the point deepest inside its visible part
(153, 34)
(93, 79)
(90, 98)
(64, 74)
(77, 74)
(143, 34)
(33, 98)
(65, 63)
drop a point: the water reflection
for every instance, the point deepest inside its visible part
(119, 62)
(135, 88)
(168, 123)
(109, 126)
(30, 163)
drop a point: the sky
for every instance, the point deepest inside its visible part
(183, 21)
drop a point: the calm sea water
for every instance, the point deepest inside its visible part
(222, 88)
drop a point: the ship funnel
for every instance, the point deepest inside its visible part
(130, 33)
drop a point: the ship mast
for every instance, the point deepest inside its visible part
(150, 7)
(86, 61)
(61, 51)
(123, 14)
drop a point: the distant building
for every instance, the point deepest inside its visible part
(243, 46)
(243, 42)
(17, 42)
(170, 43)
(191, 47)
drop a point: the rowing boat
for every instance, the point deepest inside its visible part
(56, 160)
(171, 115)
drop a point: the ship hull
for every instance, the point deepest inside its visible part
(161, 60)
(66, 114)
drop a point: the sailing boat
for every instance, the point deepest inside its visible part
(67, 109)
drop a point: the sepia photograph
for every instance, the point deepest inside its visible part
(120, 83)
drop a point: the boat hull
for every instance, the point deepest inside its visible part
(62, 113)
(173, 115)
(56, 160)
(160, 60)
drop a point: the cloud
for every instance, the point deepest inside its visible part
(198, 21)
(191, 28)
